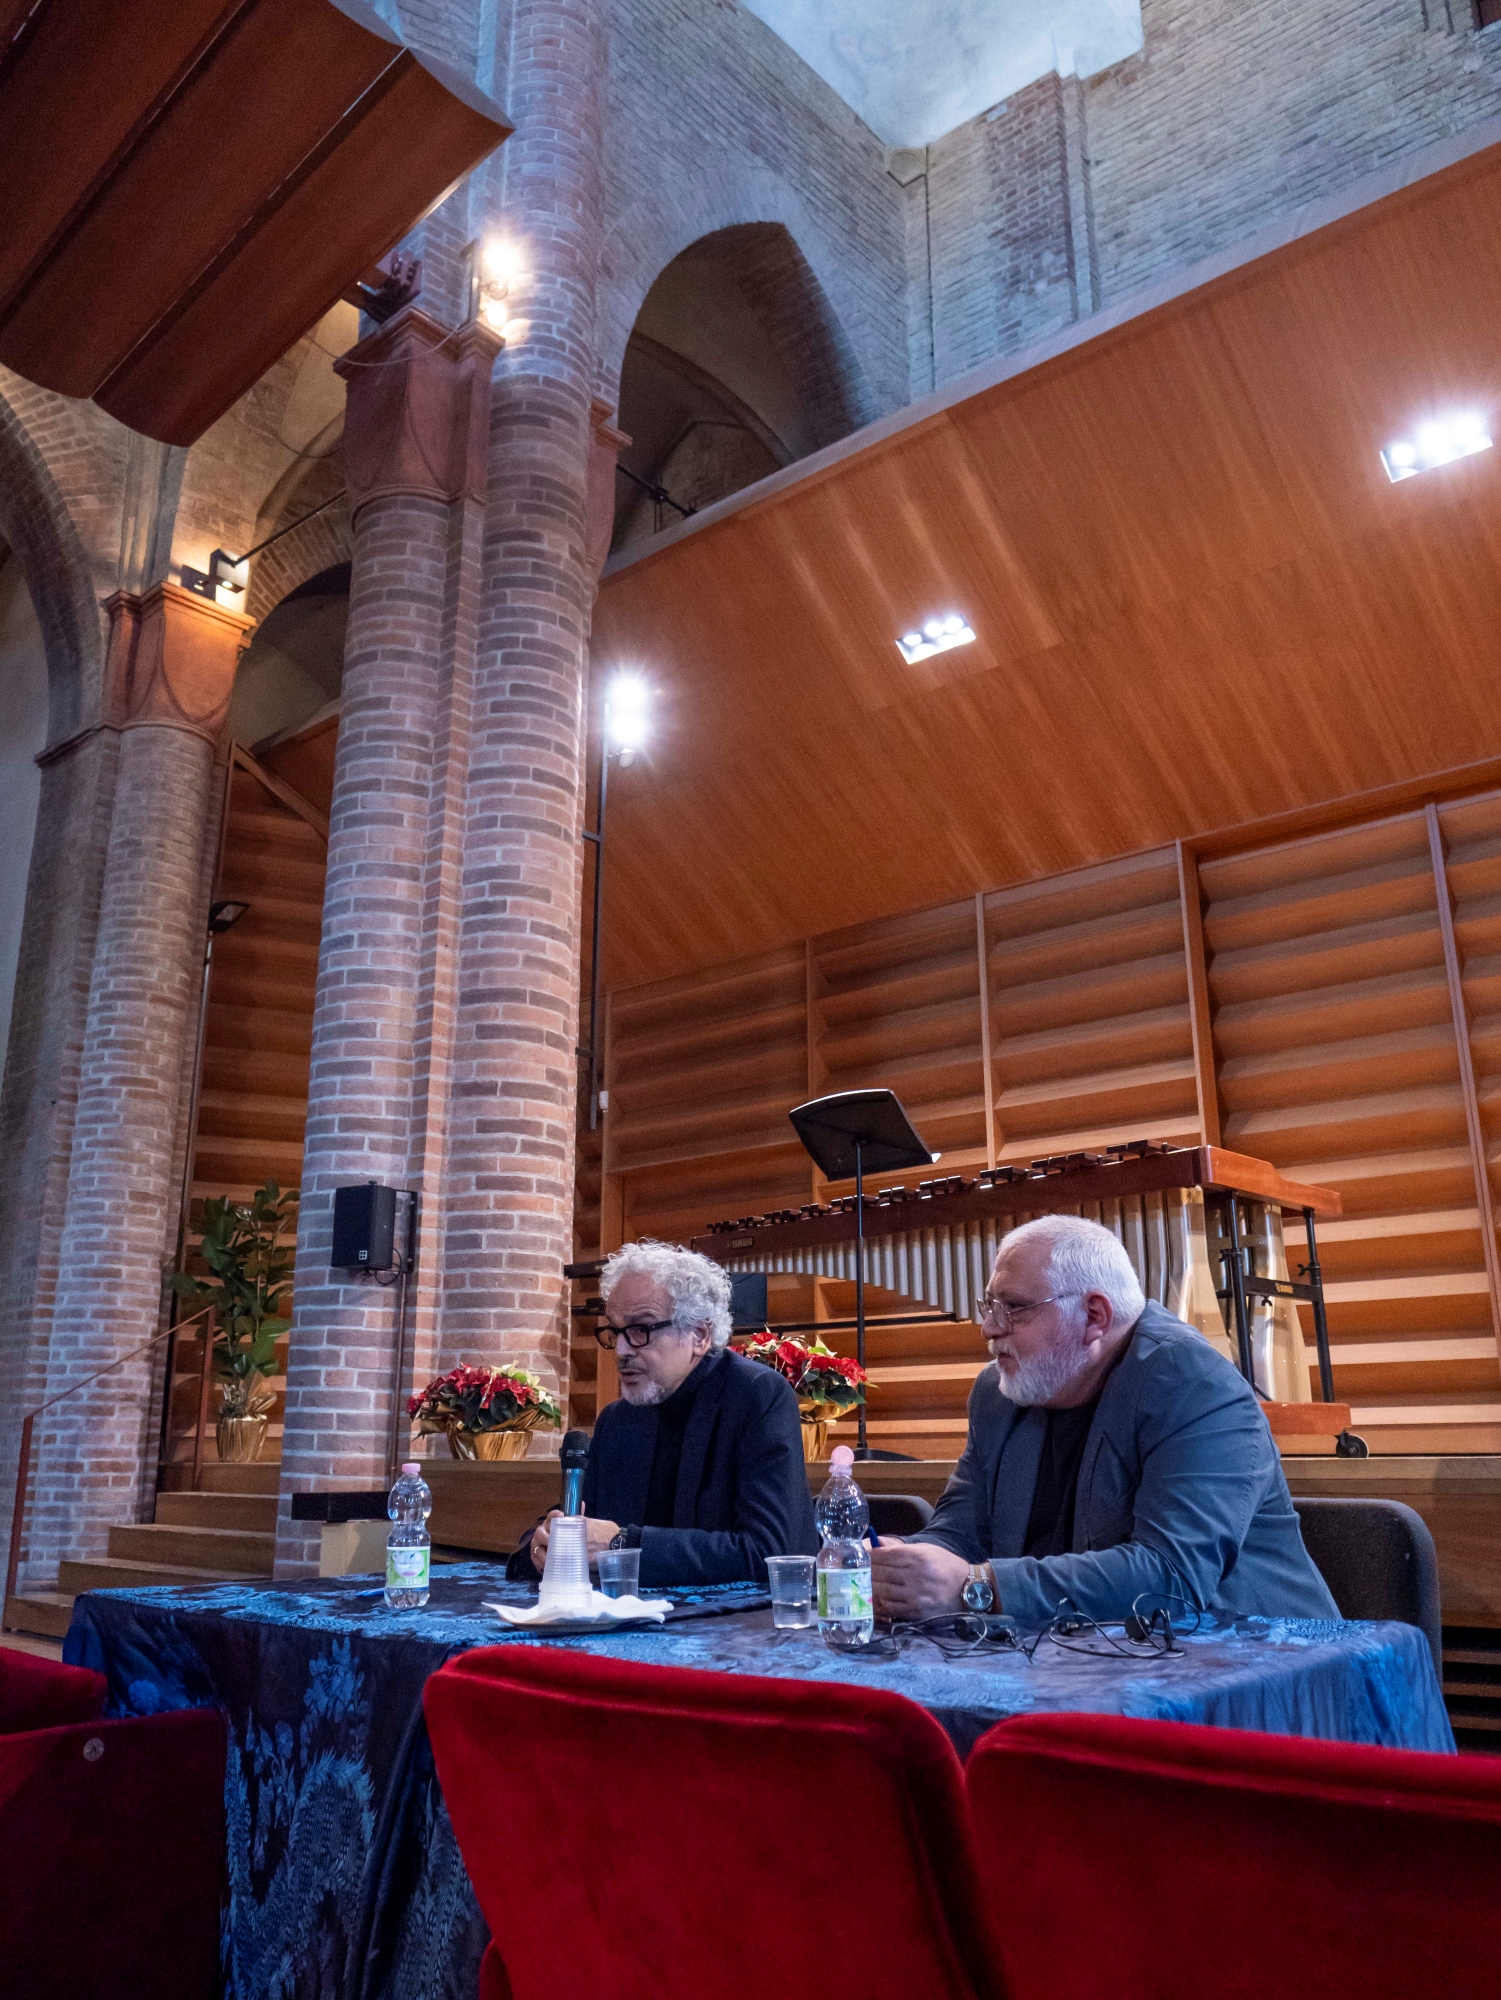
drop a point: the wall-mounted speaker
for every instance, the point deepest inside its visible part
(364, 1228)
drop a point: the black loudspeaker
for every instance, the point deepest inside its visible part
(364, 1228)
(748, 1298)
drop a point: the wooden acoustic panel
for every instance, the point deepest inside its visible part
(192, 185)
(1198, 602)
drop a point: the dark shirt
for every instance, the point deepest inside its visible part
(709, 1482)
(667, 1453)
(1050, 1525)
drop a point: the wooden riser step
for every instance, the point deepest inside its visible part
(111, 1573)
(253, 1513)
(228, 1550)
(45, 1614)
(263, 1477)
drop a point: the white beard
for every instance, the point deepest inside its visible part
(644, 1393)
(1041, 1377)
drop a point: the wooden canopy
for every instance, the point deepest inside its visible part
(1198, 599)
(188, 185)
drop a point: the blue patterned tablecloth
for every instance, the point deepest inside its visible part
(345, 1882)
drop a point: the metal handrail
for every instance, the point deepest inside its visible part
(23, 1468)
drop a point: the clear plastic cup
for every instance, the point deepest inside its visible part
(792, 1579)
(620, 1572)
(565, 1579)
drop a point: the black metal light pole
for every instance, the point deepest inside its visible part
(630, 704)
(598, 837)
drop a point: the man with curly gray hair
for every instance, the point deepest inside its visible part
(700, 1464)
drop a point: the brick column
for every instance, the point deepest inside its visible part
(171, 664)
(511, 1132)
(414, 425)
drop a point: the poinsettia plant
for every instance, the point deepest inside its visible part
(821, 1377)
(485, 1399)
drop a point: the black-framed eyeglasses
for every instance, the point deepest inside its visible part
(633, 1336)
(1003, 1317)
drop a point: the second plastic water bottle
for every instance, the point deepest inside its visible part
(409, 1547)
(846, 1609)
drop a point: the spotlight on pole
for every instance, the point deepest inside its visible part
(626, 726)
(627, 713)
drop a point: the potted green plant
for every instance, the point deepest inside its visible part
(247, 1286)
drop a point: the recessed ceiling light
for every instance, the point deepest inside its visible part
(1436, 444)
(939, 635)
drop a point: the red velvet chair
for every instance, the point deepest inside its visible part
(651, 1832)
(112, 1837)
(44, 1694)
(1147, 1860)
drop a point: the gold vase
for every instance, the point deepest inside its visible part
(816, 1421)
(490, 1445)
(240, 1439)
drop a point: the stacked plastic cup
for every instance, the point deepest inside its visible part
(565, 1577)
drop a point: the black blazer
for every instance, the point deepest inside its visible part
(742, 1491)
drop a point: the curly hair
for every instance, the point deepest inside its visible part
(698, 1287)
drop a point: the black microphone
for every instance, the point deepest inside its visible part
(574, 1456)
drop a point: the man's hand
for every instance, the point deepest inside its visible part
(599, 1535)
(916, 1580)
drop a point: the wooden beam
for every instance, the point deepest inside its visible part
(992, 1136)
(1461, 1016)
(1191, 898)
(282, 792)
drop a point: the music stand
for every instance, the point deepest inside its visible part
(844, 1135)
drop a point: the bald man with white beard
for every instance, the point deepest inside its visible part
(1113, 1456)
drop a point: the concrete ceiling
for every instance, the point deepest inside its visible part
(914, 69)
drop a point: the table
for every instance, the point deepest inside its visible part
(344, 1876)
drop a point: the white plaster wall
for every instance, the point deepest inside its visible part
(914, 69)
(23, 732)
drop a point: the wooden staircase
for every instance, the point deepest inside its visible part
(225, 1533)
(252, 1105)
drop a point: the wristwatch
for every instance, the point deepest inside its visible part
(978, 1593)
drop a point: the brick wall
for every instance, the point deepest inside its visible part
(95, 1452)
(1230, 117)
(341, 1353)
(712, 121)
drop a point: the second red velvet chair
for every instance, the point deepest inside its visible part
(652, 1833)
(112, 1838)
(44, 1694)
(1148, 1860)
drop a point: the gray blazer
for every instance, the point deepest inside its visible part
(1180, 1490)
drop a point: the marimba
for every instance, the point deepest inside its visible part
(1202, 1227)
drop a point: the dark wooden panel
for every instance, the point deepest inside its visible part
(190, 187)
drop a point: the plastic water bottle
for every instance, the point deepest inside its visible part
(846, 1609)
(409, 1547)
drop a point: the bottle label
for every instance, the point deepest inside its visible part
(844, 1594)
(407, 1569)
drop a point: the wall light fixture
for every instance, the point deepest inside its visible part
(939, 635)
(1438, 443)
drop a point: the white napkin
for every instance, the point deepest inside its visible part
(599, 1606)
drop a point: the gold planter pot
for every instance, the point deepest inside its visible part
(240, 1439)
(816, 1421)
(490, 1445)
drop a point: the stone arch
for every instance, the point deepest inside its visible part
(320, 538)
(293, 669)
(735, 366)
(36, 523)
(660, 223)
